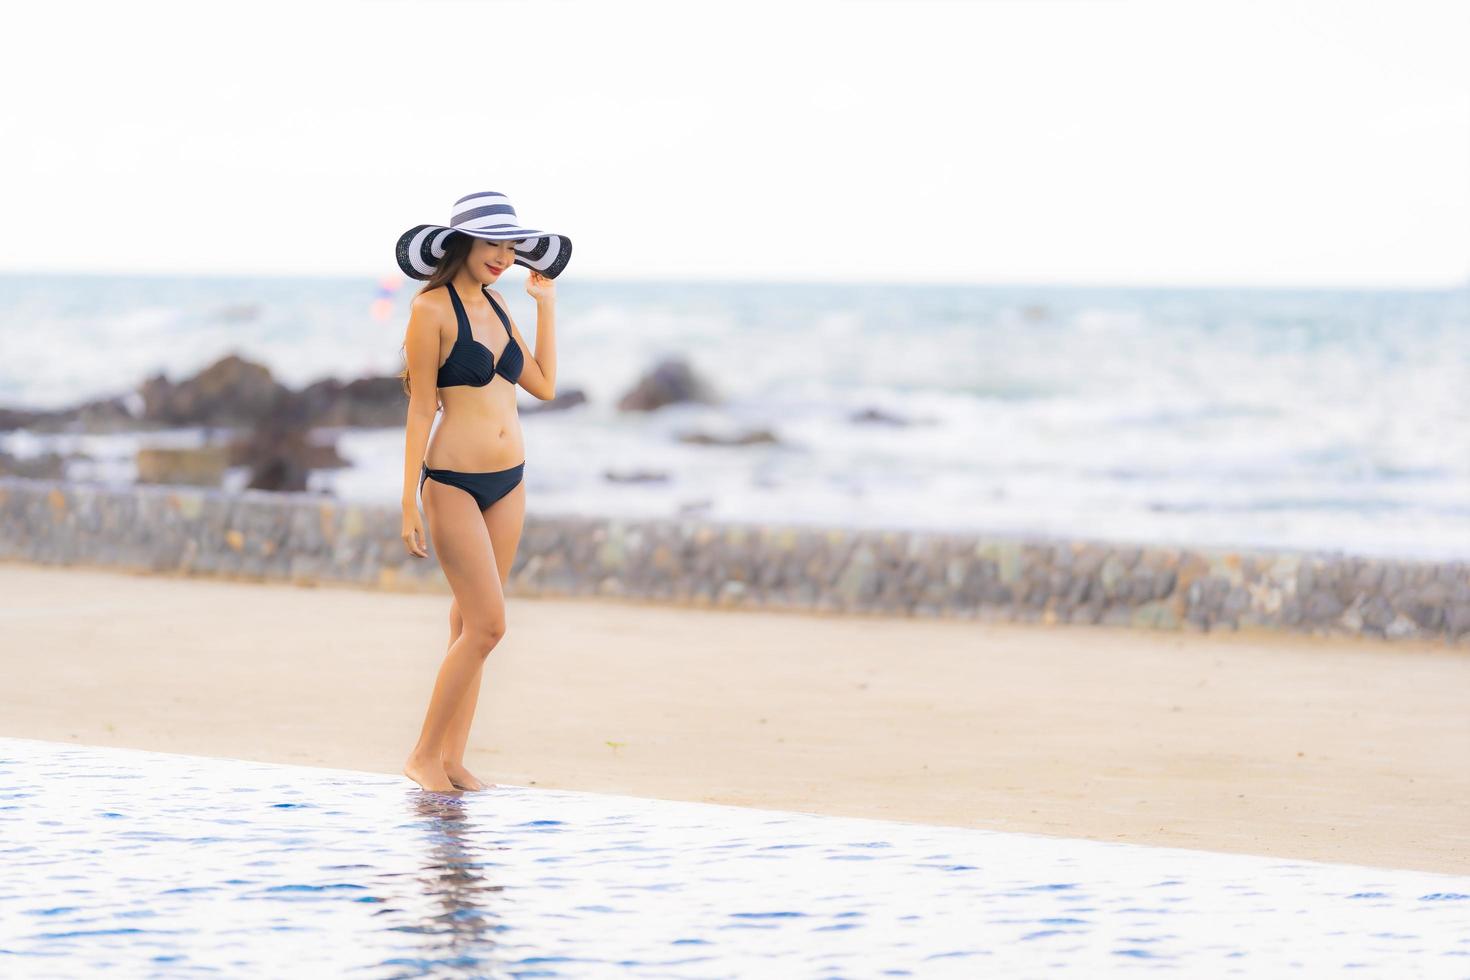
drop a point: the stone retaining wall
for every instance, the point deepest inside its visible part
(307, 538)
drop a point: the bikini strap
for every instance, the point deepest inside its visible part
(498, 311)
(462, 319)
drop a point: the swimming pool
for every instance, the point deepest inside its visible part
(149, 864)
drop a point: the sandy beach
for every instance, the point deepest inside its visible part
(1326, 749)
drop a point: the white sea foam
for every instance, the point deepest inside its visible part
(1333, 420)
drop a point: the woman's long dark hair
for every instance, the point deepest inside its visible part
(456, 250)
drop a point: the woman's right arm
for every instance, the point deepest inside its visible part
(421, 345)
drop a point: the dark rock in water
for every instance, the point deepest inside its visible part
(748, 438)
(878, 416)
(574, 396)
(321, 455)
(200, 466)
(280, 450)
(364, 402)
(35, 419)
(101, 415)
(279, 458)
(671, 380)
(234, 391)
(231, 391)
(104, 415)
(46, 466)
(282, 473)
(636, 476)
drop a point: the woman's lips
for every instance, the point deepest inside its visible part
(494, 270)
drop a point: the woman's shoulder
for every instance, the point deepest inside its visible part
(432, 307)
(431, 300)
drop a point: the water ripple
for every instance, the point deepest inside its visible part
(138, 863)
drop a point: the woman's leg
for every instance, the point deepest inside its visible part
(503, 522)
(462, 544)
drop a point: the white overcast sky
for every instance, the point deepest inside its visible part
(1177, 142)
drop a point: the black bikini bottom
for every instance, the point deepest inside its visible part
(486, 488)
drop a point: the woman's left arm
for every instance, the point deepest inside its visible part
(539, 374)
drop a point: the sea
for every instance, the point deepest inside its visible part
(1305, 419)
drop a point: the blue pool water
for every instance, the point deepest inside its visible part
(130, 863)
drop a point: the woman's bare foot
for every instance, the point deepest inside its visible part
(429, 774)
(463, 778)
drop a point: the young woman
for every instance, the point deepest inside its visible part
(466, 355)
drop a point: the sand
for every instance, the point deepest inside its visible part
(1341, 750)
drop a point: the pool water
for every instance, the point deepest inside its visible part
(134, 863)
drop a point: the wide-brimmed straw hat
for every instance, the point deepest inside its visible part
(486, 215)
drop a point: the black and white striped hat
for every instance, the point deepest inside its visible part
(486, 215)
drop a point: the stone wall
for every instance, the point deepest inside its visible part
(307, 538)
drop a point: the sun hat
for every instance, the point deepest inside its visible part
(487, 215)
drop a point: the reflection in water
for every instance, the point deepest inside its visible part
(457, 921)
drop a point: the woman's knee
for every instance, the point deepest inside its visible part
(483, 634)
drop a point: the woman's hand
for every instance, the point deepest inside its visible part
(413, 533)
(540, 287)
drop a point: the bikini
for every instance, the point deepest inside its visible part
(472, 364)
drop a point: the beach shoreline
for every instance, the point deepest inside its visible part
(1320, 748)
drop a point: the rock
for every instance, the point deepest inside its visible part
(1323, 607)
(1378, 612)
(104, 415)
(1237, 601)
(38, 420)
(45, 466)
(572, 397)
(747, 438)
(101, 415)
(878, 417)
(1162, 583)
(1457, 621)
(1154, 615)
(636, 476)
(365, 402)
(201, 466)
(231, 391)
(234, 391)
(281, 473)
(1111, 574)
(671, 380)
(281, 452)
(1426, 605)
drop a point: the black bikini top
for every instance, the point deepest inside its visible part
(471, 362)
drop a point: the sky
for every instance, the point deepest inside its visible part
(1098, 142)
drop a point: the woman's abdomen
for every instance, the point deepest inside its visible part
(475, 442)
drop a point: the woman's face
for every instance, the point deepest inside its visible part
(489, 259)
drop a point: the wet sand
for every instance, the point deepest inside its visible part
(1340, 750)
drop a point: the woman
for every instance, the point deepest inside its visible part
(465, 353)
